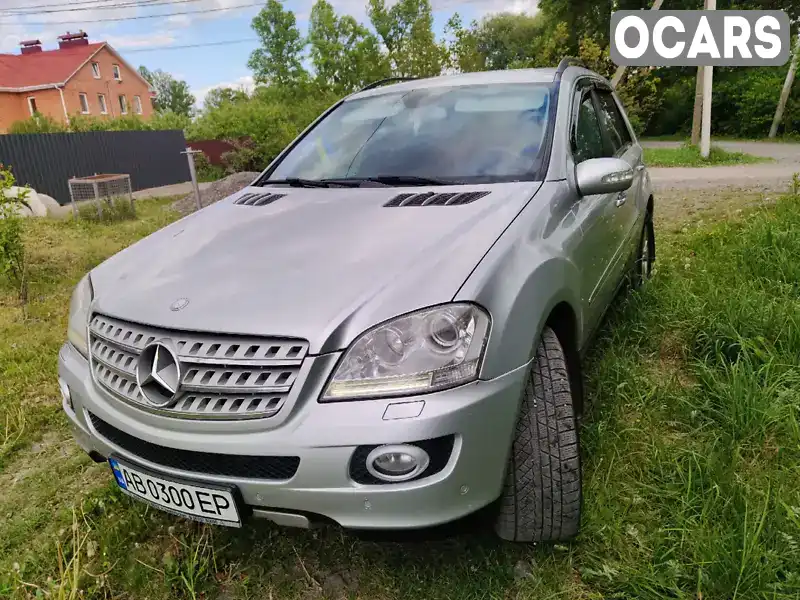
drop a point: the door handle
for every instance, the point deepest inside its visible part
(621, 198)
(640, 167)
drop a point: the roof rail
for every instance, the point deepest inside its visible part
(380, 82)
(567, 61)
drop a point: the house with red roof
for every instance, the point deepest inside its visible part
(76, 78)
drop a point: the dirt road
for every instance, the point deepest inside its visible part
(767, 177)
(688, 194)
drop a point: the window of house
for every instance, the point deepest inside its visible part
(84, 103)
(137, 105)
(123, 104)
(96, 70)
(101, 100)
(32, 105)
(117, 74)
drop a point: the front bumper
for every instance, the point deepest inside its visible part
(481, 415)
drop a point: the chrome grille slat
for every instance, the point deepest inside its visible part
(121, 386)
(223, 376)
(114, 358)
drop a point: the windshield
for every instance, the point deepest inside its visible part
(463, 133)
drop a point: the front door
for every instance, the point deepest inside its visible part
(598, 215)
(621, 145)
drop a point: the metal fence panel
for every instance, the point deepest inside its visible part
(46, 161)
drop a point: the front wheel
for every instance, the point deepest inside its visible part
(542, 496)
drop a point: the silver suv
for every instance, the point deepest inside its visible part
(385, 329)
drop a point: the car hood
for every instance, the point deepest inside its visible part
(318, 264)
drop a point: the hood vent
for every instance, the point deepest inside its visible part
(435, 199)
(251, 199)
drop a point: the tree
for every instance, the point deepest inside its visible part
(507, 40)
(171, 94)
(345, 54)
(463, 52)
(278, 60)
(406, 30)
(216, 97)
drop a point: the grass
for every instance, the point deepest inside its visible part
(689, 156)
(690, 451)
(113, 209)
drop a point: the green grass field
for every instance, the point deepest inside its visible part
(691, 447)
(689, 156)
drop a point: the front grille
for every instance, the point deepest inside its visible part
(223, 377)
(438, 449)
(228, 465)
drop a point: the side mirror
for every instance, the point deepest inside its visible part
(603, 176)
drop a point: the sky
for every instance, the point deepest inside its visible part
(156, 42)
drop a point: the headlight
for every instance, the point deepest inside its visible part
(424, 351)
(79, 316)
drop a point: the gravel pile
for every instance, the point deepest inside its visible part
(216, 191)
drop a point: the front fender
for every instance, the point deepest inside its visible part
(522, 278)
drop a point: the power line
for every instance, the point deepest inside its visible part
(224, 43)
(158, 16)
(140, 4)
(30, 7)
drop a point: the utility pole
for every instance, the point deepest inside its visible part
(621, 69)
(787, 88)
(708, 82)
(697, 114)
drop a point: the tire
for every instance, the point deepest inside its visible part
(541, 500)
(645, 255)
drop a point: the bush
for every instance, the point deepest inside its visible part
(107, 210)
(12, 248)
(80, 123)
(271, 118)
(205, 170)
(244, 157)
(37, 124)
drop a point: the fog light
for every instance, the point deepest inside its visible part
(397, 463)
(65, 393)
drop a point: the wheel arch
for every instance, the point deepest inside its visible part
(564, 322)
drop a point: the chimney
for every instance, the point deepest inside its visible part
(70, 40)
(30, 47)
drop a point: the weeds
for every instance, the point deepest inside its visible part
(108, 210)
(12, 250)
(690, 444)
(688, 155)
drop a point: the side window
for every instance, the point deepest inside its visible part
(588, 141)
(613, 122)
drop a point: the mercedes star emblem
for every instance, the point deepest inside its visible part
(158, 373)
(179, 304)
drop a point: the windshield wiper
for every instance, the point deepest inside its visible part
(388, 180)
(314, 183)
(299, 182)
(394, 180)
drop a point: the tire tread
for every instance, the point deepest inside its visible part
(542, 496)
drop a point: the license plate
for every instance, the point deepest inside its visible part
(196, 501)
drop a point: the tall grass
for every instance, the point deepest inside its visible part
(691, 450)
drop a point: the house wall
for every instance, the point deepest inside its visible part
(14, 106)
(10, 110)
(129, 86)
